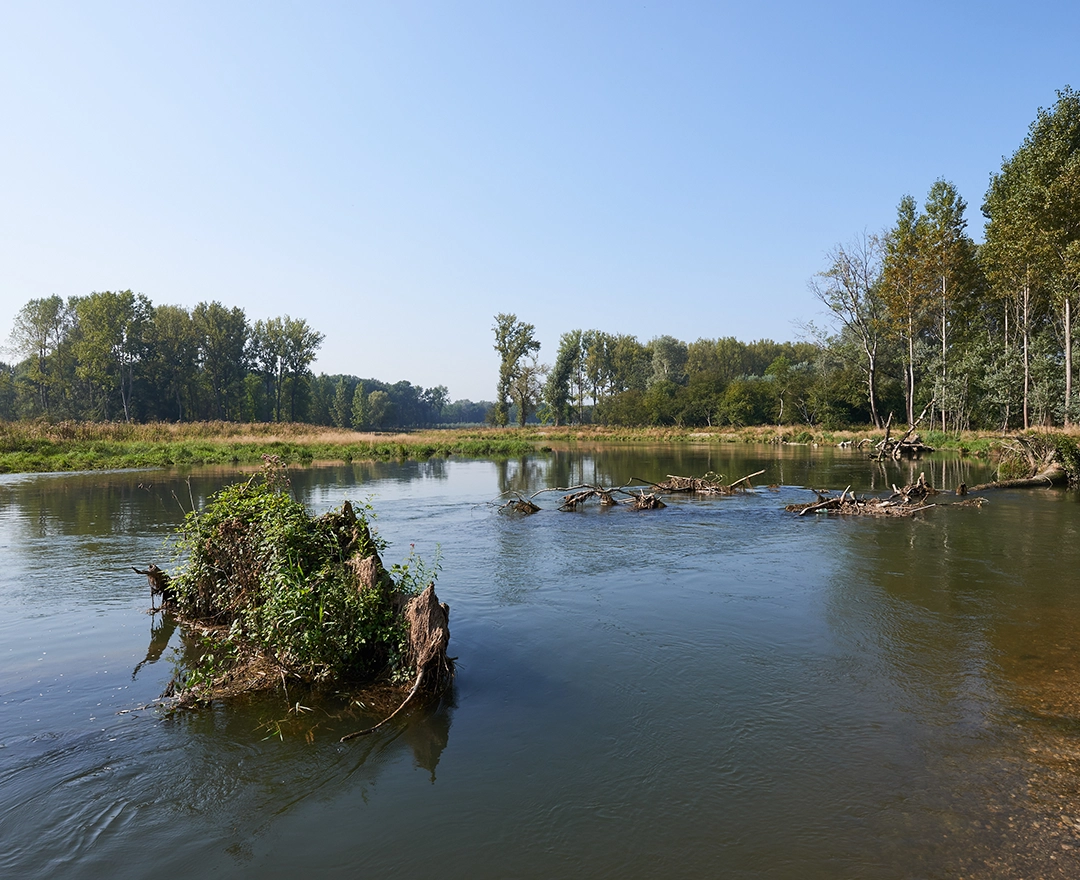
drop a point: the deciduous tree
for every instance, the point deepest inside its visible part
(851, 289)
(514, 341)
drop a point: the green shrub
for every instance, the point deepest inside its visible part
(276, 583)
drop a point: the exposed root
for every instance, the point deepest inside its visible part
(429, 635)
(415, 690)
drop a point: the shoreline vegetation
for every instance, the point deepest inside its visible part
(41, 447)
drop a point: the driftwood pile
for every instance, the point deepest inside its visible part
(710, 484)
(576, 496)
(903, 502)
(638, 494)
(908, 446)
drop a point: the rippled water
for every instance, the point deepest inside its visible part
(719, 688)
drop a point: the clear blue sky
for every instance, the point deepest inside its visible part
(396, 172)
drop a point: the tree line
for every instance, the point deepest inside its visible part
(615, 379)
(981, 336)
(924, 321)
(115, 355)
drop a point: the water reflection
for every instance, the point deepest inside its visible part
(162, 627)
(963, 613)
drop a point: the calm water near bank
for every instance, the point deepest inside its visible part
(719, 688)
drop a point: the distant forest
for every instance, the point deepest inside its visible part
(114, 355)
(923, 322)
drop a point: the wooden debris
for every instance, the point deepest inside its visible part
(848, 504)
(1048, 463)
(917, 491)
(908, 446)
(576, 499)
(643, 501)
(518, 504)
(159, 584)
(710, 484)
(634, 494)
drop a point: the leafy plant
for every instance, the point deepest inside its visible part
(280, 585)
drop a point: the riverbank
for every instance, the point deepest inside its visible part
(35, 447)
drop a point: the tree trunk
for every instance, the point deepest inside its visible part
(911, 372)
(1068, 357)
(1027, 363)
(944, 375)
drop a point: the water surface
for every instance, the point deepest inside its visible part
(718, 688)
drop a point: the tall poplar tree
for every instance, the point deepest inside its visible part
(514, 341)
(948, 266)
(904, 296)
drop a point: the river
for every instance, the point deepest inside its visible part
(719, 688)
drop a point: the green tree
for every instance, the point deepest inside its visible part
(378, 409)
(39, 332)
(223, 334)
(668, 360)
(948, 266)
(557, 387)
(359, 408)
(170, 365)
(514, 341)
(109, 345)
(630, 363)
(1035, 203)
(597, 363)
(8, 395)
(903, 294)
(526, 388)
(435, 399)
(266, 353)
(1011, 262)
(302, 343)
(341, 408)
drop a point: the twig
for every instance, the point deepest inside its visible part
(747, 477)
(412, 693)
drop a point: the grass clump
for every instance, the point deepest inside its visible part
(276, 592)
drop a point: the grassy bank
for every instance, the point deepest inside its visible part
(27, 447)
(974, 443)
(34, 447)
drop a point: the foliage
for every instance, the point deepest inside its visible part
(282, 584)
(515, 341)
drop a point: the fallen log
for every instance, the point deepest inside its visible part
(1054, 475)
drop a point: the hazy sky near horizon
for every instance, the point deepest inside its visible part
(396, 173)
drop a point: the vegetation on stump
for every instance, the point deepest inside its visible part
(280, 593)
